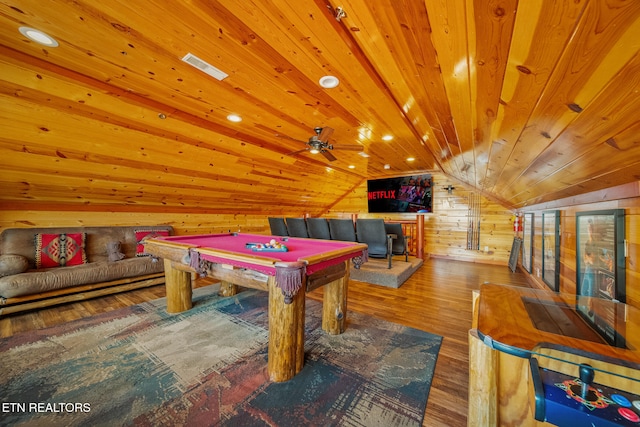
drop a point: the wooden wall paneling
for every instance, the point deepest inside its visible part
(454, 51)
(591, 140)
(183, 223)
(71, 123)
(412, 44)
(490, 35)
(533, 53)
(406, 47)
(496, 95)
(393, 47)
(598, 24)
(373, 101)
(446, 227)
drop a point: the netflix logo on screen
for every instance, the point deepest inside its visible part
(382, 195)
(402, 194)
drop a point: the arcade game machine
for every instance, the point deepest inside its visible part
(539, 358)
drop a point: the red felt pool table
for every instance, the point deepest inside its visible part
(237, 259)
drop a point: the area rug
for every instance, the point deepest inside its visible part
(208, 367)
(377, 271)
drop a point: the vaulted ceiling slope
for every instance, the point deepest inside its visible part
(525, 101)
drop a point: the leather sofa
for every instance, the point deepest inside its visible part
(40, 267)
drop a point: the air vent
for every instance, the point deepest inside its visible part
(201, 65)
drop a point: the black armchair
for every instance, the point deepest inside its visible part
(297, 227)
(318, 228)
(342, 229)
(399, 244)
(278, 226)
(372, 232)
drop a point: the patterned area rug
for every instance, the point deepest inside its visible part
(208, 367)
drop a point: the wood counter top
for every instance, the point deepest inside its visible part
(525, 321)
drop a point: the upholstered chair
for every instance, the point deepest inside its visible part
(318, 228)
(278, 227)
(297, 227)
(342, 229)
(372, 232)
(399, 244)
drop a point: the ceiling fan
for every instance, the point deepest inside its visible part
(319, 143)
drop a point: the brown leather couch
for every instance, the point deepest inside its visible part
(113, 264)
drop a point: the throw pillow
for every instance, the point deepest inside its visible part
(142, 235)
(12, 264)
(114, 251)
(59, 250)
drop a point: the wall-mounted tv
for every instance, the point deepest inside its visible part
(403, 194)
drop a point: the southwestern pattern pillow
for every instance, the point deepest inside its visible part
(59, 250)
(142, 235)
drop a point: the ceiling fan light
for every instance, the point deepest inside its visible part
(329, 82)
(38, 36)
(314, 151)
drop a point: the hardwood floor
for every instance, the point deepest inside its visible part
(436, 299)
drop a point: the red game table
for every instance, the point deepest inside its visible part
(232, 258)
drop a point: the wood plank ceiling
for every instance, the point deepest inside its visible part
(525, 101)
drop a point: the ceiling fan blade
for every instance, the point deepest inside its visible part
(328, 155)
(355, 147)
(325, 133)
(297, 152)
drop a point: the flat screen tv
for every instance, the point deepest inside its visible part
(403, 194)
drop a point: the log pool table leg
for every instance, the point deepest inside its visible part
(334, 304)
(286, 333)
(178, 286)
(227, 289)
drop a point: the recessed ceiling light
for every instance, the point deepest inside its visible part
(38, 36)
(387, 137)
(329, 82)
(387, 166)
(410, 159)
(363, 154)
(234, 118)
(352, 167)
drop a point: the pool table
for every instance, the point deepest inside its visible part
(287, 274)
